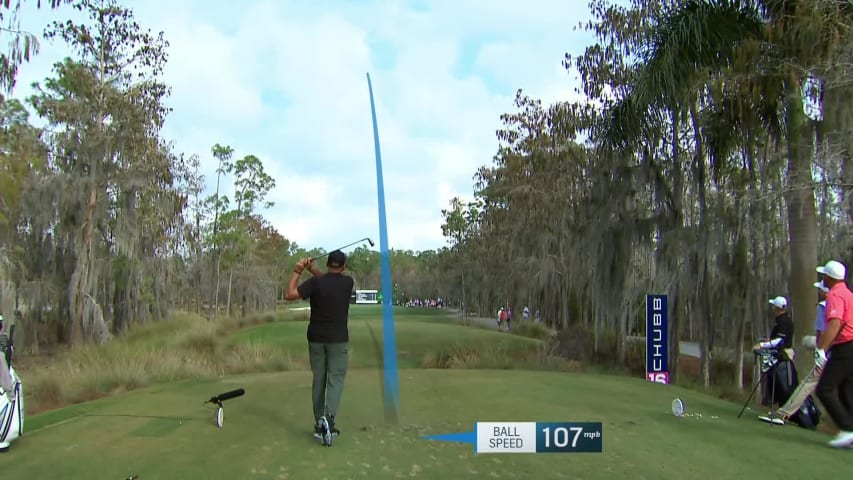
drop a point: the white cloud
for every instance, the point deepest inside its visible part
(286, 81)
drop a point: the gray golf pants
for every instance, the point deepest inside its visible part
(329, 363)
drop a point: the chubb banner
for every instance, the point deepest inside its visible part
(657, 333)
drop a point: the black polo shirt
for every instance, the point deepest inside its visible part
(784, 329)
(329, 296)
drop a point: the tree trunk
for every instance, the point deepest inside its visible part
(802, 225)
(216, 288)
(80, 279)
(739, 351)
(675, 330)
(228, 300)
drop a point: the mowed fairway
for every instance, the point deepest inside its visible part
(165, 432)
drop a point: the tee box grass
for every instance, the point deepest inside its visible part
(165, 432)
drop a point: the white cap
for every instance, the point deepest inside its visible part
(779, 302)
(820, 286)
(833, 269)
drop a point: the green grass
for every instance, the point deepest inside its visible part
(423, 340)
(267, 432)
(161, 429)
(184, 347)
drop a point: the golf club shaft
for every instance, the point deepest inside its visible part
(345, 246)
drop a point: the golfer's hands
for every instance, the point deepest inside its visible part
(819, 358)
(301, 265)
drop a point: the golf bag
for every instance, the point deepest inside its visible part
(11, 408)
(780, 377)
(11, 398)
(808, 416)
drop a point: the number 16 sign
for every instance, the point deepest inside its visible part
(657, 335)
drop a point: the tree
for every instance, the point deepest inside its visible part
(104, 111)
(764, 46)
(223, 156)
(23, 46)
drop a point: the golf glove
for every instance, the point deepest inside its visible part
(819, 357)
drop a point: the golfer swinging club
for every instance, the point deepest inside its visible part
(328, 336)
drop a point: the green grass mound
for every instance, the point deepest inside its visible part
(165, 432)
(190, 347)
(423, 341)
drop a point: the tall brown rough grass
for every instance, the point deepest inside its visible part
(187, 346)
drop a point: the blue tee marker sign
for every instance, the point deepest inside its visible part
(657, 335)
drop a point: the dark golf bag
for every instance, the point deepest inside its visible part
(780, 379)
(808, 416)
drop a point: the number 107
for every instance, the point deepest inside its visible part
(561, 436)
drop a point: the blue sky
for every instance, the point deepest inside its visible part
(285, 81)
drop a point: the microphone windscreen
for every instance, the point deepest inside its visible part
(232, 394)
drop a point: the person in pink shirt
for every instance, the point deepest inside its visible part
(835, 389)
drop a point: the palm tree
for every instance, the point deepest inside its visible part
(766, 48)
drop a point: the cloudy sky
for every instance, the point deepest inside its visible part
(285, 81)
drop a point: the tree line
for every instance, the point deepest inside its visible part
(712, 163)
(103, 225)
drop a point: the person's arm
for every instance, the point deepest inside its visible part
(832, 316)
(833, 326)
(772, 343)
(292, 292)
(820, 323)
(777, 337)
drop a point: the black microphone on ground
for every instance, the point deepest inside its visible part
(226, 396)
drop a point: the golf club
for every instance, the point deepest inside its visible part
(345, 246)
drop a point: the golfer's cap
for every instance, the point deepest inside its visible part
(336, 259)
(779, 302)
(820, 286)
(833, 269)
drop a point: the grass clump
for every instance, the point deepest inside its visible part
(533, 330)
(186, 346)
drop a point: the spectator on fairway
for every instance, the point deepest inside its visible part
(807, 386)
(526, 313)
(781, 343)
(502, 315)
(328, 334)
(835, 388)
